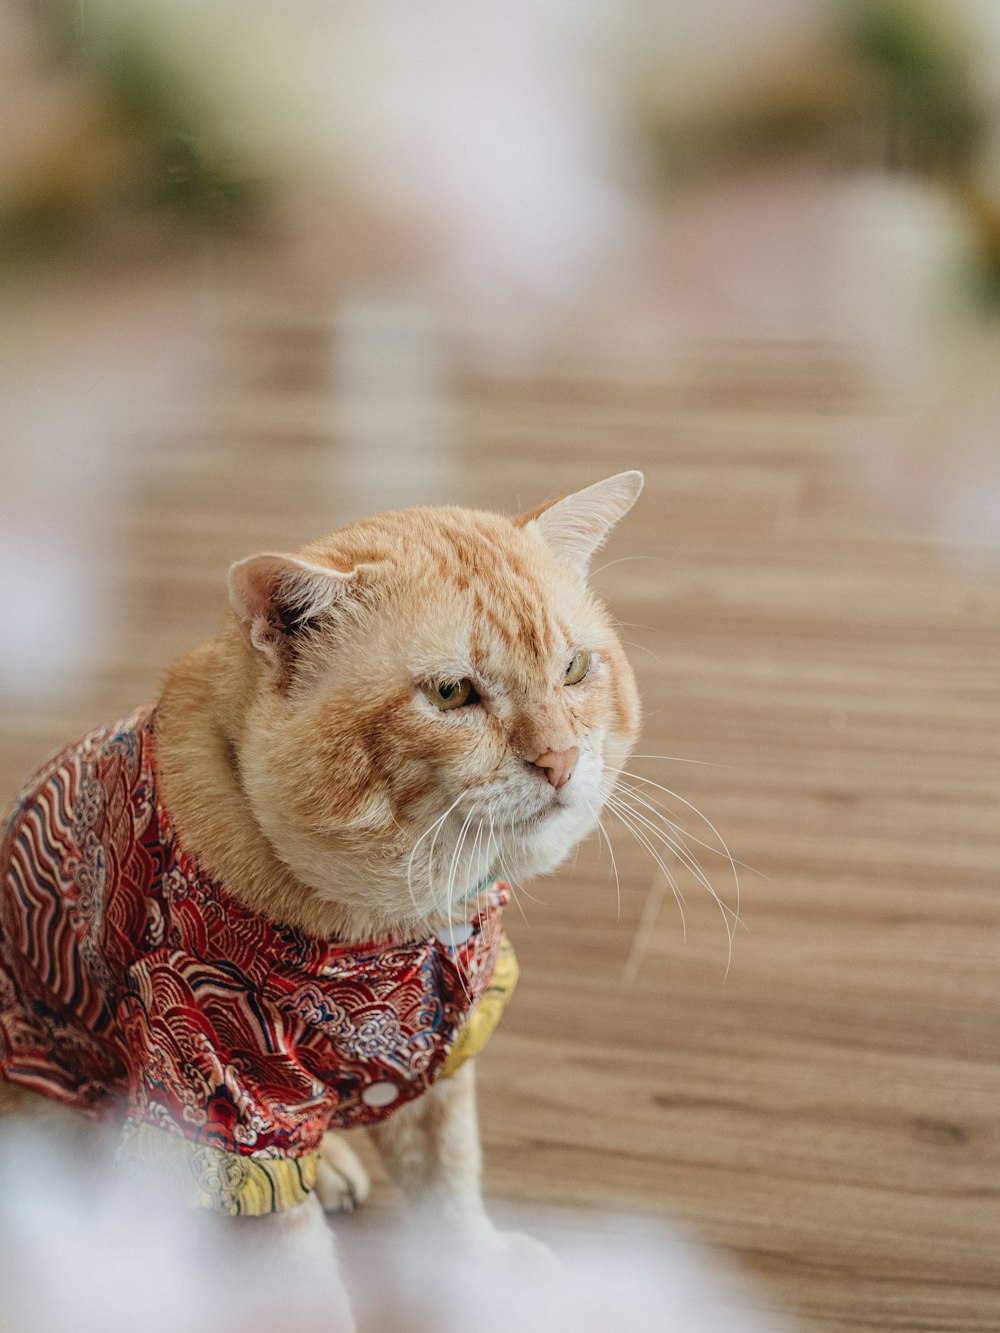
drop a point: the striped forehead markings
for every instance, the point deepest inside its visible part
(506, 599)
(519, 619)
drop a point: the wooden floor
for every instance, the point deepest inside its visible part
(820, 679)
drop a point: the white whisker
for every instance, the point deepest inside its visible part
(640, 837)
(675, 841)
(611, 851)
(430, 863)
(679, 759)
(622, 559)
(490, 842)
(512, 878)
(642, 649)
(693, 867)
(659, 808)
(722, 842)
(474, 859)
(456, 854)
(409, 864)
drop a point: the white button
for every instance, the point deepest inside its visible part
(452, 935)
(380, 1094)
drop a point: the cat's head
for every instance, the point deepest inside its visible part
(436, 699)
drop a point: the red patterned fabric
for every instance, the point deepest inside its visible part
(130, 984)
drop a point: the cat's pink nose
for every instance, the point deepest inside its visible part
(558, 765)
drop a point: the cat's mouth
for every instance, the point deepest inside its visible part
(521, 822)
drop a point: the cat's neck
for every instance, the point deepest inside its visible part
(200, 786)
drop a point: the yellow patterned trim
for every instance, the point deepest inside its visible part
(202, 1176)
(486, 1015)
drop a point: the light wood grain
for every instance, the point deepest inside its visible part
(827, 1112)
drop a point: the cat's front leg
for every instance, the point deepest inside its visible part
(296, 1247)
(431, 1150)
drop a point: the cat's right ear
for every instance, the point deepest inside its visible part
(279, 598)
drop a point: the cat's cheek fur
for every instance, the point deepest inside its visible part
(342, 791)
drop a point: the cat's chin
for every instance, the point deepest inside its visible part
(522, 824)
(546, 839)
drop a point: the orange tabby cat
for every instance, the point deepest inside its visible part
(323, 804)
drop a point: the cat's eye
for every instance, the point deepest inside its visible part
(448, 694)
(577, 669)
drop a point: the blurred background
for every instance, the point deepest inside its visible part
(265, 269)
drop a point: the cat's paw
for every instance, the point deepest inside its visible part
(527, 1258)
(342, 1182)
(478, 1240)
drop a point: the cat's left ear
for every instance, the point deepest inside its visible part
(577, 526)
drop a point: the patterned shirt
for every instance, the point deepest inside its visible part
(132, 983)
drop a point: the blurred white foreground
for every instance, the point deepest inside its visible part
(81, 1249)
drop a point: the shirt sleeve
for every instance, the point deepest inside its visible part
(218, 1105)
